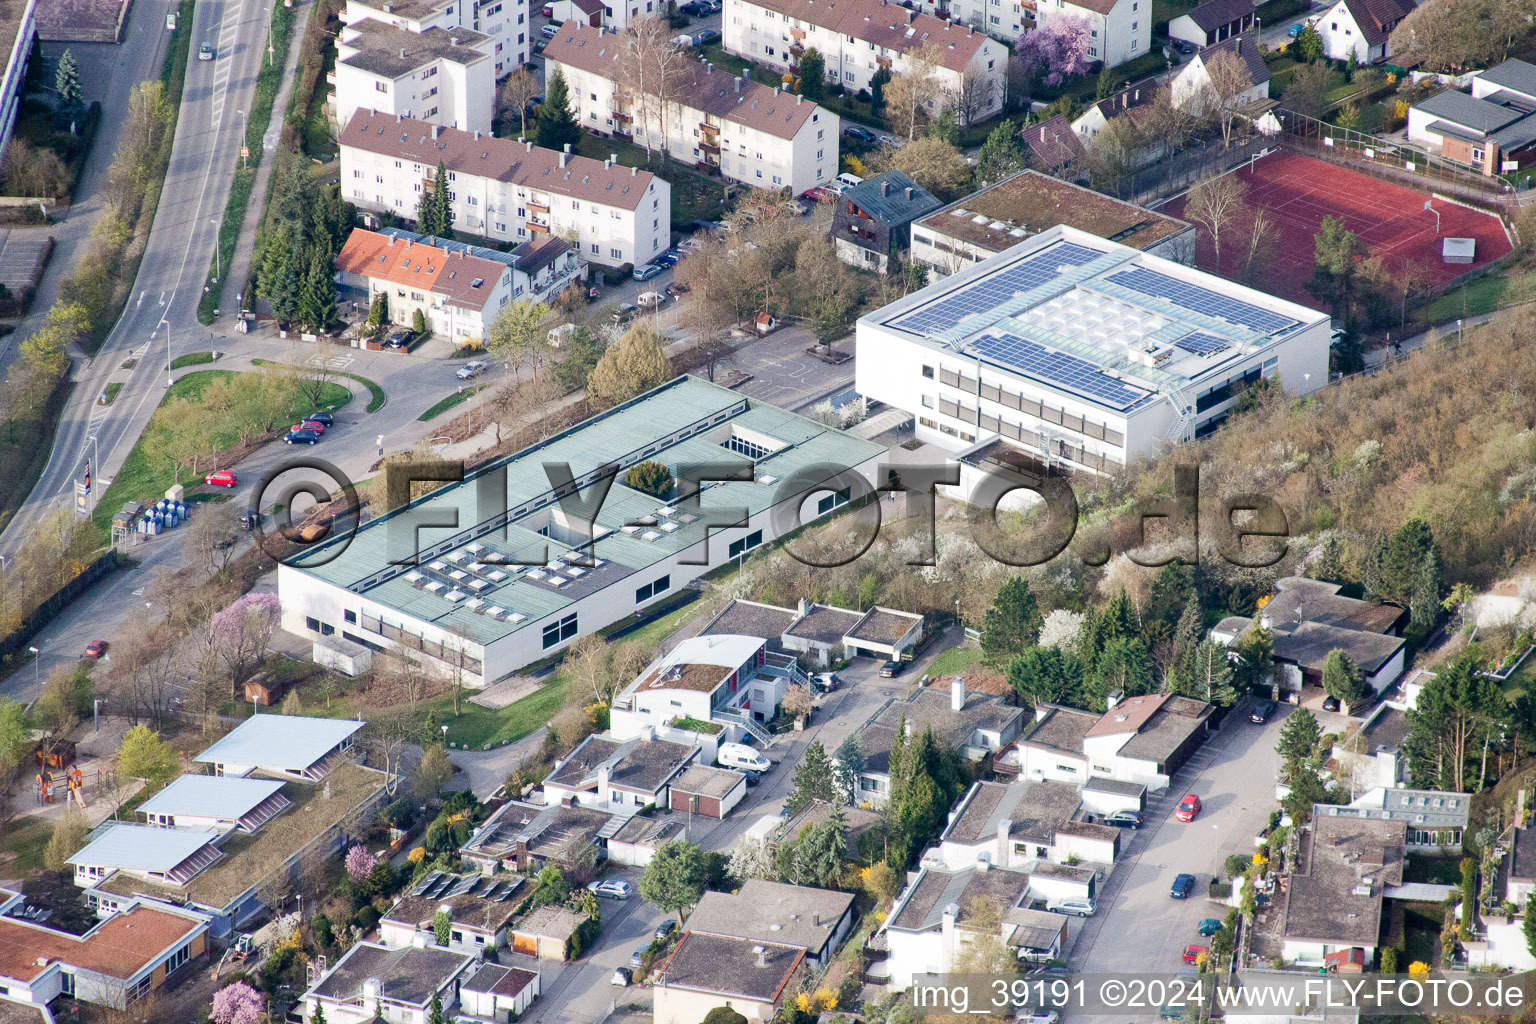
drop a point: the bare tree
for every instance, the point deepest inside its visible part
(517, 92)
(1225, 90)
(144, 667)
(974, 98)
(211, 537)
(1216, 203)
(913, 95)
(1261, 242)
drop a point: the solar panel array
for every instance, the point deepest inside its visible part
(1058, 369)
(1202, 344)
(1200, 300)
(441, 885)
(995, 289)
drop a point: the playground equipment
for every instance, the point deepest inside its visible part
(73, 781)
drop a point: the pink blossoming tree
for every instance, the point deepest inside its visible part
(240, 634)
(1056, 51)
(360, 863)
(237, 1004)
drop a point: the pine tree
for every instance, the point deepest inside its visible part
(1012, 624)
(1001, 154)
(896, 762)
(1120, 618)
(66, 82)
(318, 1017)
(877, 83)
(279, 278)
(557, 126)
(434, 210)
(435, 1014)
(1424, 605)
(317, 294)
(1298, 740)
(1191, 627)
(813, 75)
(814, 779)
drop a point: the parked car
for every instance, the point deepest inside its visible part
(666, 928)
(311, 425)
(301, 437)
(398, 340)
(1296, 29)
(848, 181)
(1193, 953)
(1210, 926)
(1261, 712)
(221, 478)
(1036, 1015)
(626, 311)
(821, 194)
(890, 670)
(1123, 819)
(548, 10)
(1076, 906)
(824, 682)
(645, 272)
(540, 43)
(1183, 885)
(1183, 984)
(710, 6)
(314, 532)
(549, 31)
(621, 977)
(205, 52)
(708, 36)
(611, 888)
(321, 417)
(635, 957)
(1330, 703)
(1184, 46)
(96, 648)
(472, 369)
(675, 289)
(854, 131)
(739, 755)
(1189, 808)
(250, 520)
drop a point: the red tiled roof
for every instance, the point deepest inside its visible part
(886, 24)
(450, 274)
(1053, 142)
(1129, 715)
(119, 948)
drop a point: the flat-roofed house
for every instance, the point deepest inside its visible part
(498, 993)
(932, 920)
(1486, 129)
(171, 856)
(1016, 824)
(1141, 741)
(479, 911)
(708, 791)
(1333, 901)
(291, 746)
(216, 802)
(706, 971)
(817, 920)
(618, 775)
(372, 982)
(973, 724)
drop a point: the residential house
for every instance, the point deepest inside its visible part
(872, 221)
(973, 724)
(479, 909)
(373, 982)
(547, 933)
(752, 618)
(1333, 898)
(1212, 21)
(294, 747)
(1375, 756)
(1133, 100)
(1435, 820)
(721, 124)
(1000, 216)
(931, 921)
(499, 994)
(823, 634)
(1139, 740)
(1361, 27)
(1017, 824)
(1106, 796)
(705, 971)
(216, 803)
(459, 296)
(504, 21)
(17, 1011)
(154, 854)
(1492, 128)
(442, 76)
(116, 961)
(636, 841)
(506, 190)
(618, 775)
(707, 791)
(1052, 146)
(815, 920)
(1296, 600)
(706, 690)
(544, 267)
(526, 836)
(584, 12)
(857, 823)
(858, 38)
(1192, 89)
(1519, 868)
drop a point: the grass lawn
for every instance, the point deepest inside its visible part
(694, 196)
(1522, 682)
(26, 838)
(139, 479)
(192, 359)
(1486, 294)
(449, 402)
(111, 391)
(956, 659)
(376, 396)
(1439, 870)
(1421, 932)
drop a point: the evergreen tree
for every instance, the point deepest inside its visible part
(1397, 564)
(1424, 604)
(1206, 674)
(946, 126)
(1255, 651)
(317, 295)
(66, 82)
(1012, 624)
(1120, 619)
(1306, 790)
(848, 764)
(1048, 674)
(1001, 155)
(434, 211)
(813, 75)
(821, 852)
(1190, 629)
(897, 761)
(1123, 667)
(1298, 740)
(815, 779)
(1330, 561)
(557, 126)
(279, 275)
(877, 83)
(1341, 678)
(435, 1014)
(318, 1017)
(1171, 592)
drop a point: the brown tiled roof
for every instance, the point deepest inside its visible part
(1377, 18)
(724, 966)
(119, 948)
(885, 24)
(1213, 14)
(1103, 7)
(405, 138)
(1129, 715)
(1247, 50)
(1053, 143)
(740, 101)
(394, 52)
(449, 274)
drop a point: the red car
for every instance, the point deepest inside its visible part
(314, 425)
(1192, 954)
(96, 648)
(548, 10)
(821, 195)
(1189, 808)
(222, 478)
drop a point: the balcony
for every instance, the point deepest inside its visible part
(619, 115)
(796, 50)
(798, 34)
(710, 147)
(534, 207)
(884, 62)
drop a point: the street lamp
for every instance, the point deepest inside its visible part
(445, 737)
(37, 664)
(217, 270)
(96, 714)
(166, 323)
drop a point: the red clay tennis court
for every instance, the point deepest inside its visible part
(1389, 219)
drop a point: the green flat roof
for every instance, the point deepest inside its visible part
(643, 428)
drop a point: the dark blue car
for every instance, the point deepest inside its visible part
(1183, 885)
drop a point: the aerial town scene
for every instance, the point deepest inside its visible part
(767, 511)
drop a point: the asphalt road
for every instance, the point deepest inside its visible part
(208, 138)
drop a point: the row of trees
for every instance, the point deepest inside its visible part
(295, 262)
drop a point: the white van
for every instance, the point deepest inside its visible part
(557, 337)
(739, 755)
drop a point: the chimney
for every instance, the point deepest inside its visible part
(608, 164)
(453, 40)
(1001, 855)
(885, 188)
(908, 728)
(391, 239)
(951, 911)
(565, 157)
(1113, 698)
(799, 100)
(957, 693)
(529, 144)
(738, 85)
(762, 955)
(1042, 133)
(816, 918)
(647, 733)
(477, 136)
(633, 171)
(402, 53)
(803, 608)
(909, 191)
(437, 130)
(602, 781)
(613, 158)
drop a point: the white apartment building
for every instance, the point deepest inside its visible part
(856, 38)
(505, 21)
(736, 127)
(1118, 30)
(1068, 349)
(444, 76)
(507, 190)
(459, 295)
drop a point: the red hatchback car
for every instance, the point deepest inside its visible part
(96, 648)
(1192, 954)
(222, 478)
(314, 425)
(1189, 808)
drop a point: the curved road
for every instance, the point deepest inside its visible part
(209, 133)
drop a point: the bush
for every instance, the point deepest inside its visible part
(419, 322)
(1236, 864)
(1389, 960)
(650, 477)
(320, 928)
(366, 918)
(401, 813)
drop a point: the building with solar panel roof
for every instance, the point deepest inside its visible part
(1071, 352)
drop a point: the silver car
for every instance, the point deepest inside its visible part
(205, 52)
(471, 369)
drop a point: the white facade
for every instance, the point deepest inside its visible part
(746, 131)
(748, 680)
(1161, 391)
(1118, 31)
(497, 1007)
(505, 21)
(453, 308)
(855, 42)
(1343, 33)
(924, 939)
(433, 76)
(1191, 88)
(11, 86)
(616, 215)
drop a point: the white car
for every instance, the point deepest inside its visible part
(471, 369)
(611, 888)
(1076, 906)
(1033, 1015)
